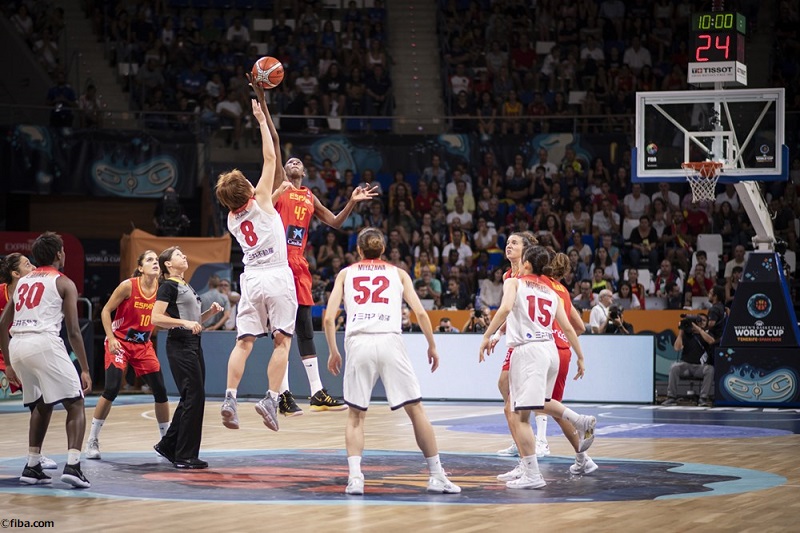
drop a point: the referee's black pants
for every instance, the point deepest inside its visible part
(185, 355)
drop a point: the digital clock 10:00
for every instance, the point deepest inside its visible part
(719, 21)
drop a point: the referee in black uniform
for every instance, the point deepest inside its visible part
(177, 309)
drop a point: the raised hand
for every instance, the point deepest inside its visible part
(258, 113)
(363, 193)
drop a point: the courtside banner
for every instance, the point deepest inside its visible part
(22, 241)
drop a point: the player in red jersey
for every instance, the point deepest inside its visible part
(297, 205)
(128, 343)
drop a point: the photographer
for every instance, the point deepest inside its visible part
(445, 326)
(479, 320)
(169, 218)
(616, 325)
(694, 344)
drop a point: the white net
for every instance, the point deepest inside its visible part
(702, 177)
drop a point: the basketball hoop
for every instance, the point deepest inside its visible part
(702, 177)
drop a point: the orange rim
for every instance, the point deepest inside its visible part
(706, 169)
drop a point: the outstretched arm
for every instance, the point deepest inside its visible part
(335, 221)
(264, 187)
(280, 173)
(329, 324)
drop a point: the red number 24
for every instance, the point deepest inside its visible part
(359, 284)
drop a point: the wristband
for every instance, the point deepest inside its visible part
(496, 336)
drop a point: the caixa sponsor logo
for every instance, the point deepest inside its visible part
(712, 70)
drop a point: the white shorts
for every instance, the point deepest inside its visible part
(370, 356)
(268, 297)
(532, 376)
(44, 368)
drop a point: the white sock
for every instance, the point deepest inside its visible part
(274, 395)
(312, 371)
(285, 382)
(571, 416)
(434, 464)
(231, 393)
(541, 428)
(73, 457)
(580, 457)
(163, 427)
(354, 462)
(34, 457)
(531, 464)
(97, 425)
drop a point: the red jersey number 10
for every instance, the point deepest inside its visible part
(250, 236)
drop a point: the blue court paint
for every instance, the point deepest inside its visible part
(302, 477)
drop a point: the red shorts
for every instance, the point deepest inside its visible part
(564, 355)
(302, 279)
(141, 357)
(507, 360)
(13, 387)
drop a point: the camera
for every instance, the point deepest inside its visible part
(478, 313)
(442, 329)
(614, 312)
(687, 321)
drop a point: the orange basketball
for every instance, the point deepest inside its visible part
(267, 72)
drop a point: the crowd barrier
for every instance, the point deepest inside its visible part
(618, 368)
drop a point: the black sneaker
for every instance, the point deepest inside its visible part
(164, 452)
(34, 475)
(193, 463)
(670, 401)
(287, 406)
(73, 475)
(322, 401)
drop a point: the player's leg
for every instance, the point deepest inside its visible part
(584, 424)
(155, 380)
(236, 361)
(502, 385)
(320, 400)
(354, 443)
(114, 377)
(76, 427)
(426, 440)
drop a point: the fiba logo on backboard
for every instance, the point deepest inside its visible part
(652, 153)
(764, 156)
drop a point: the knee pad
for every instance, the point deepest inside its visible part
(113, 383)
(155, 381)
(304, 329)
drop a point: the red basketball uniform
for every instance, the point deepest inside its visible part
(3, 303)
(507, 360)
(296, 207)
(132, 328)
(564, 350)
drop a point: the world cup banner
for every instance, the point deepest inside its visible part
(762, 313)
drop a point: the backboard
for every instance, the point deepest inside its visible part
(741, 128)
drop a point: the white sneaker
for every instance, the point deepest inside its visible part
(355, 485)
(47, 463)
(93, 449)
(585, 427)
(586, 467)
(517, 473)
(230, 419)
(439, 484)
(511, 451)
(542, 448)
(267, 407)
(527, 482)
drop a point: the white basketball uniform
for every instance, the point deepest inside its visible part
(534, 361)
(373, 303)
(268, 294)
(38, 354)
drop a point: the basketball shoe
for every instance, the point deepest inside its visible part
(355, 485)
(585, 426)
(74, 476)
(527, 481)
(511, 451)
(287, 406)
(34, 475)
(439, 484)
(268, 409)
(322, 401)
(542, 448)
(517, 473)
(228, 411)
(587, 466)
(93, 449)
(47, 463)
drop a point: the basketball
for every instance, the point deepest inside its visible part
(267, 72)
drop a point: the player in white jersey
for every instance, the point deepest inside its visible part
(37, 358)
(531, 308)
(373, 293)
(268, 292)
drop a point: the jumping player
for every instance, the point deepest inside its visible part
(268, 293)
(36, 356)
(531, 308)
(13, 267)
(128, 343)
(373, 292)
(297, 205)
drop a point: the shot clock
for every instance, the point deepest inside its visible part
(717, 53)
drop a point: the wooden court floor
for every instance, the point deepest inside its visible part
(131, 430)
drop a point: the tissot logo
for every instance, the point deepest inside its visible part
(711, 70)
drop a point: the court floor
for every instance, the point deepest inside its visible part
(664, 469)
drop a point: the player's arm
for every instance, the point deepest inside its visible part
(335, 221)
(424, 321)
(564, 322)
(506, 304)
(280, 173)
(280, 189)
(120, 294)
(5, 322)
(264, 187)
(576, 320)
(69, 306)
(329, 323)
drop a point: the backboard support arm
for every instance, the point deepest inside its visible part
(758, 213)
